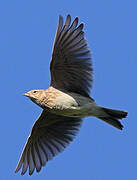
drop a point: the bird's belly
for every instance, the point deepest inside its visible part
(72, 105)
(74, 111)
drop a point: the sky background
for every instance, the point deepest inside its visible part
(27, 30)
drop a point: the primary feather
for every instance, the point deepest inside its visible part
(71, 67)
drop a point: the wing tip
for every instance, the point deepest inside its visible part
(18, 167)
(15, 171)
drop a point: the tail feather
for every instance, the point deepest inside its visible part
(113, 116)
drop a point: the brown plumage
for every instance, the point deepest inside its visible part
(66, 101)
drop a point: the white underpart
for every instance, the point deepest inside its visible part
(75, 105)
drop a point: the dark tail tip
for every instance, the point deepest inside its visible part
(116, 113)
(113, 116)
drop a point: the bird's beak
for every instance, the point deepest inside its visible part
(26, 94)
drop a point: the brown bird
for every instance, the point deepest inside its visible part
(66, 101)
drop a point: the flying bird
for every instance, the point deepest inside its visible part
(66, 101)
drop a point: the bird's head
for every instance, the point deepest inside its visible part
(36, 95)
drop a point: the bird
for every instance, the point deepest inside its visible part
(67, 100)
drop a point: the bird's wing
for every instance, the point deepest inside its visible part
(50, 135)
(71, 66)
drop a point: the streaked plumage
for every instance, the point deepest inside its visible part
(66, 101)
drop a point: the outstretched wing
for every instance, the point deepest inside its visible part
(71, 66)
(50, 135)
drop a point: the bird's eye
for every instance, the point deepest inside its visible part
(35, 91)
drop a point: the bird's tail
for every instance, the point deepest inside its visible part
(112, 116)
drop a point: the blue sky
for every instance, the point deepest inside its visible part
(27, 30)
